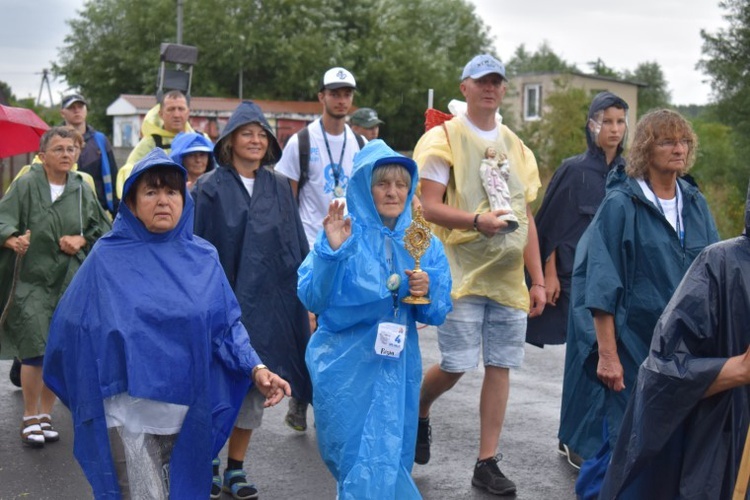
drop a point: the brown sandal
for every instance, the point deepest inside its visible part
(31, 432)
(50, 434)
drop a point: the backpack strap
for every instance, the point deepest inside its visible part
(158, 140)
(360, 140)
(303, 138)
(101, 141)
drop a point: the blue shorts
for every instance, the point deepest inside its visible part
(35, 361)
(478, 322)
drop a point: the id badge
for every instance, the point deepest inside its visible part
(390, 340)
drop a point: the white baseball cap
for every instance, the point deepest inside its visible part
(336, 78)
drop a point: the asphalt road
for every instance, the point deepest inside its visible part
(285, 464)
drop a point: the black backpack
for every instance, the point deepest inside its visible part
(303, 136)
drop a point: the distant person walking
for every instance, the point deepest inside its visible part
(366, 123)
(96, 158)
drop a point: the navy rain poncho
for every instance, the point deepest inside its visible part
(150, 315)
(628, 263)
(366, 406)
(570, 202)
(673, 443)
(261, 244)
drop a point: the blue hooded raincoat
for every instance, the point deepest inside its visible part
(192, 142)
(366, 406)
(628, 263)
(570, 202)
(151, 315)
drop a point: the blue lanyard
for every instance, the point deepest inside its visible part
(336, 168)
(678, 225)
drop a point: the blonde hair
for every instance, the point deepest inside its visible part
(661, 124)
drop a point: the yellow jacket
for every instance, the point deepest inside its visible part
(152, 125)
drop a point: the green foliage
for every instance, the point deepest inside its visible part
(396, 50)
(599, 68)
(727, 61)
(655, 94)
(6, 94)
(561, 132)
(543, 60)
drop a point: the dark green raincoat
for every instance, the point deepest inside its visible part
(45, 271)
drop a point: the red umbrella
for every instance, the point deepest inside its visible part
(20, 130)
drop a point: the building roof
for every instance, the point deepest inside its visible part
(584, 75)
(130, 104)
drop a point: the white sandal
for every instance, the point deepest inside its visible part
(31, 432)
(50, 434)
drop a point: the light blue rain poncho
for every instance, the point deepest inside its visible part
(366, 406)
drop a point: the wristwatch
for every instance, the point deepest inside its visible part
(258, 367)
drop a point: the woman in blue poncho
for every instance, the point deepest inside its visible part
(147, 349)
(365, 394)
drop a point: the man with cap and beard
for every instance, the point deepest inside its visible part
(318, 161)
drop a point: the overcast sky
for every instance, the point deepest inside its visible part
(621, 33)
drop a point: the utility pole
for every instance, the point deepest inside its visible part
(179, 22)
(45, 79)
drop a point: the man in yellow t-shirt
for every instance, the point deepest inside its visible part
(487, 257)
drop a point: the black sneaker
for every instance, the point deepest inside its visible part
(487, 476)
(424, 438)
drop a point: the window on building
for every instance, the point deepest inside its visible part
(532, 102)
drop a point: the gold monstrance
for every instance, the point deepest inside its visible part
(416, 241)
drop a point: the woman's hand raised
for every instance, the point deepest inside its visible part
(337, 228)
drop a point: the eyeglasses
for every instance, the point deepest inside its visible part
(60, 150)
(671, 143)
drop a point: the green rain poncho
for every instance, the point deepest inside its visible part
(45, 271)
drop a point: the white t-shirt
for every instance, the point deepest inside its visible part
(249, 185)
(317, 193)
(438, 170)
(670, 207)
(55, 190)
(144, 416)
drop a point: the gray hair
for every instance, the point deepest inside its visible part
(383, 171)
(63, 131)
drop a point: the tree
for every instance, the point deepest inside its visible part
(396, 50)
(727, 61)
(561, 131)
(599, 68)
(655, 94)
(543, 60)
(6, 94)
